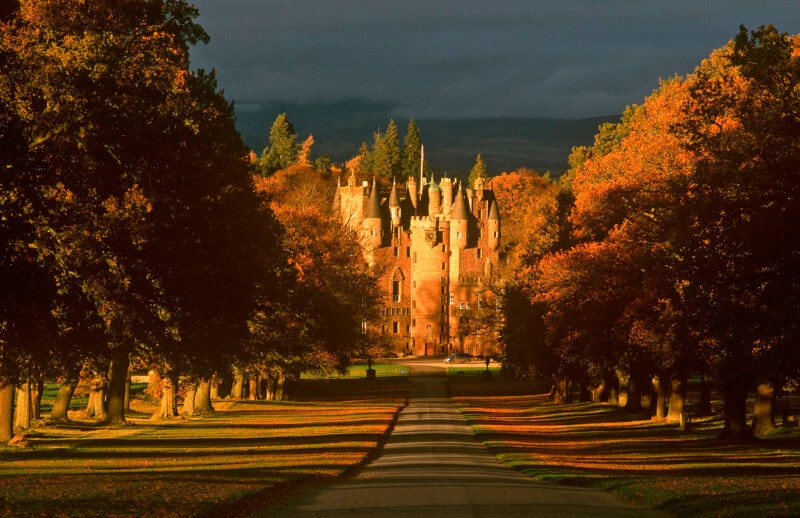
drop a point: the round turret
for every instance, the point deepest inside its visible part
(493, 226)
(447, 195)
(434, 198)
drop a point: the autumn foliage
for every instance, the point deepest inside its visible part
(681, 257)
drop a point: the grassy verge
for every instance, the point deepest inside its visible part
(248, 454)
(650, 462)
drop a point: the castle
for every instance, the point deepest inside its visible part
(436, 246)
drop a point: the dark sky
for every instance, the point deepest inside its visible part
(468, 58)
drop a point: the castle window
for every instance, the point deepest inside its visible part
(460, 305)
(415, 257)
(452, 298)
(408, 329)
(480, 213)
(444, 248)
(373, 233)
(396, 327)
(396, 291)
(458, 234)
(496, 234)
(408, 251)
(363, 326)
(397, 251)
(466, 305)
(480, 253)
(444, 266)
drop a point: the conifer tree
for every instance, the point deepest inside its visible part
(478, 170)
(386, 153)
(411, 150)
(283, 149)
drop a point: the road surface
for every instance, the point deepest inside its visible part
(433, 466)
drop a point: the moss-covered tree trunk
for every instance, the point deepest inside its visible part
(117, 380)
(6, 410)
(677, 398)
(764, 409)
(202, 398)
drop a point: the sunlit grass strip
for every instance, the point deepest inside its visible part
(650, 462)
(203, 466)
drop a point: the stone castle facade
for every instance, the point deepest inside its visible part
(437, 246)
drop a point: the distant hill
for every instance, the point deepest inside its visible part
(450, 144)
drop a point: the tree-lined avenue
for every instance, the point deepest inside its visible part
(432, 465)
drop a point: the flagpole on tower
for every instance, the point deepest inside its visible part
(421, 167)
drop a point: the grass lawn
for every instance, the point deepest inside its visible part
(248, 454)
(650, 462)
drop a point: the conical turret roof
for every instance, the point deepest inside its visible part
(494, 212)
(394, 198)
(374, 204)
(460, 210)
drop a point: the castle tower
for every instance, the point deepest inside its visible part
(434, 198)
(372, 226)
(493, 226)
(395, 210)
(447, 195)
(459, 221)
(413, 191)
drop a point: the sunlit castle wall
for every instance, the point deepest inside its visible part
(437, 247)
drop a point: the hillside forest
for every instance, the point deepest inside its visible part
(140, 234)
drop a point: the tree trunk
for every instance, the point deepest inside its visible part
(128, 392)
(561, 391)
(60, 411)
(677, 398)
(658, 401)
(634, 400)
(280, 384)
(202, 398)
(169, 405)
(96, 406)
(37, 391)
(214, 390)
(22, 412)
(237, 391)
(6, 410)
(117, 382)
(764, 410)
(735, 409)
(188, 400)
(622, 389)
(254, 379)
(704, 404)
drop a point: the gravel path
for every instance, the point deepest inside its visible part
(433, 466)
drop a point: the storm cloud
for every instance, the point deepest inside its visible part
(468, 58)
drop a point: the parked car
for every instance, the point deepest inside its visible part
(458, 358)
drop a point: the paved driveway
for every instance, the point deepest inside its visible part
(433, 466)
